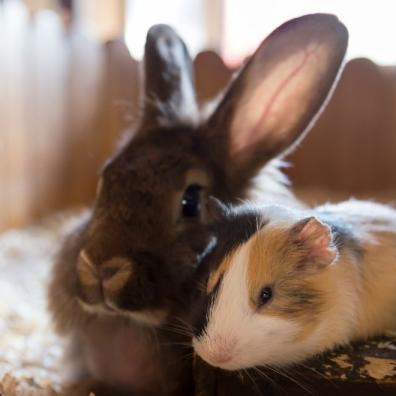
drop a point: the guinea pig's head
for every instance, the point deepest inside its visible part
(263, 300)
(149, 227)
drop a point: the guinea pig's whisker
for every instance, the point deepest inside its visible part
(180, 327)
(266, 377)
(184, 323)
(184, 326)
(288, 376)
(186, 345)
(297, 378)
(318, 373)
(201, 286)
(252, 380)
(178, 330)
(175, 326)
(299, 375)
(185, 357)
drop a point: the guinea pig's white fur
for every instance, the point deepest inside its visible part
(313, 309)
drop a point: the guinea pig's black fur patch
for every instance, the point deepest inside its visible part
(235, 228)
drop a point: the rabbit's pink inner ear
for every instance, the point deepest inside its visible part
(286, 83)
(276, 105)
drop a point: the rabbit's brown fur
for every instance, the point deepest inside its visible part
(125, 273)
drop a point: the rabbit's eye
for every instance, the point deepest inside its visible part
(191, 201)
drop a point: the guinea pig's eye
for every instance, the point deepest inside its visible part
(265, 296)
(191, 202)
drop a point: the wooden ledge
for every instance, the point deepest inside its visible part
(364, 368)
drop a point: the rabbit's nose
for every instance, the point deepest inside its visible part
(115, 273)
(88, 280)
(103, 281)
(86, 270)
(108, 272)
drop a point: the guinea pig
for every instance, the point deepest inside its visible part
(283, 285)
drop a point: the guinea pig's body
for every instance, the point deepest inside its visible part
(293, 285)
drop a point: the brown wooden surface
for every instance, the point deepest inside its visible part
(68, 100)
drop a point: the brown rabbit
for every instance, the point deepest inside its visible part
(124, 273)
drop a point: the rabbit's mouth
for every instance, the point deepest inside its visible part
(149, 317)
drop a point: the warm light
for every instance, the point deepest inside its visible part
(371, 24)
(185, 16)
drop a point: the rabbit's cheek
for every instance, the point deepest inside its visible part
(90, 295)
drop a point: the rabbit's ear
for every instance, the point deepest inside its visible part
(169, 94)
(280, 90)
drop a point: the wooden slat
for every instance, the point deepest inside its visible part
(115, 111)
(103, 18)
(211, 75)
(352, 146)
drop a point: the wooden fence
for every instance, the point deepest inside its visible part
(66, 100)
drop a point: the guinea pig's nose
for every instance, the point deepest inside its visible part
(217, 357)
(221, 357)
(216, 351)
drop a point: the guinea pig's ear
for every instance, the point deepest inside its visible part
(274, 99)
(217, 210)
(314, 240)
(169, 93)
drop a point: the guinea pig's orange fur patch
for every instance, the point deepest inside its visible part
(273, 261)
(357, 293)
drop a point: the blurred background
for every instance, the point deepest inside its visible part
(69, 87)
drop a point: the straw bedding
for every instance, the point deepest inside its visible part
(29, 350)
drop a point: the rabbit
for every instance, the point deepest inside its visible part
(291, 284)
(122, 277)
